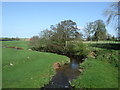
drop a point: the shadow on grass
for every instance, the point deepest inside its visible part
(108, 46)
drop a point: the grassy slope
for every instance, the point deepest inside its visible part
(31, 69)
(99, 72)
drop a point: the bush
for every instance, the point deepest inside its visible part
(109, 56)
(113, 59)
(44, 45)
(68, 48)
(76, 49)
(81, 49)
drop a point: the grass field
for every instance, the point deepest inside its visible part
(97, 74)
(32, 69)
(27, 69)
(100, 69)
(22, 44)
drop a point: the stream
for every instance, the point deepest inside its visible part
(65, 75)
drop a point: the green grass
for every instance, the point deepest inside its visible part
(101, 42)
(31, 69)
(22, 44)
(97, 74)
(100, 71)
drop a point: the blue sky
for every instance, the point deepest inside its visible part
(26, 19)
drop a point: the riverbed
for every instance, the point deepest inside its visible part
(65, 75)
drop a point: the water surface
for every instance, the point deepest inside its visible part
(65, 75)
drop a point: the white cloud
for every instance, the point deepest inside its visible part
(80, 27)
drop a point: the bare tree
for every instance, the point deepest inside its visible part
(112, 14)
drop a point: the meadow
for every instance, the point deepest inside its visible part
(22, 44)
(33, 69)
(27, 69)
(100, 68)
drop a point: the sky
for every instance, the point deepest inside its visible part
(26, 19)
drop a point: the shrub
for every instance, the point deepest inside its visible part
(109, 56)
(77, 49)
(69, 49)
(81, 49)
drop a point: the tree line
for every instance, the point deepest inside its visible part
(62, 38)
(65, 37)
(96, 31)
(9, 39)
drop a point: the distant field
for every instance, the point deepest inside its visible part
(22, 44)
(27, 69)
(102, 42)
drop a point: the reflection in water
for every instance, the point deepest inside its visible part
(64, 75)
(74, 64)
